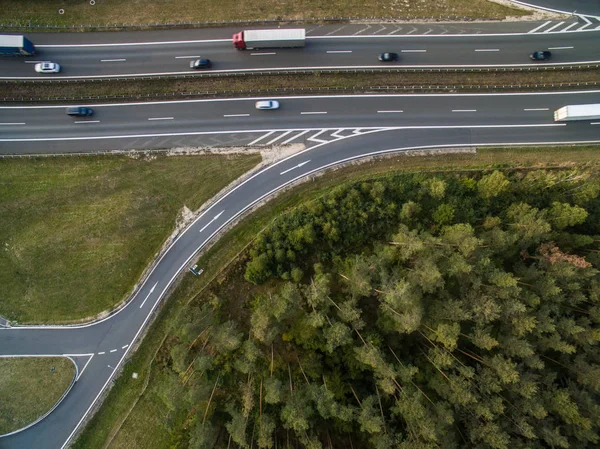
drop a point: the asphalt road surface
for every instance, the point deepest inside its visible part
(348, 128)
(153, 58)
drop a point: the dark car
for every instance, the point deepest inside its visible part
(200, 64)
(540, 55)
(80, 111)
(388, 57)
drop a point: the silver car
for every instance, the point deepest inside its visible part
(47, 67)
(267, 104)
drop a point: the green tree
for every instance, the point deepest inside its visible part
(492, 185)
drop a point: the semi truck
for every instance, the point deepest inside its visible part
(577, 112)
(16, 45)
(255, 39)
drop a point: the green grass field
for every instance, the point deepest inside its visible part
(80, 12)
(29, 388)
(78, 232)
(132, 402)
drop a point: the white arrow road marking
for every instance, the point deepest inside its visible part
(210, 222)
(293, 168)
(151, 290)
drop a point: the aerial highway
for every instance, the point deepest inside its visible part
(169, 53)
(335, 130)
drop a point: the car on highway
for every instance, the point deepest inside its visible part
(540, 55)
(200, 64)
(388, 57)
(79, 111)
(267, 104)
(47, 67)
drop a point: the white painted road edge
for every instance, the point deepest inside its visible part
(309, 97)
(300, 69)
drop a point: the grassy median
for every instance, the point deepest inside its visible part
(248, 85)
(78, 232)
(123, 420)
(29, 387)
(141, 12)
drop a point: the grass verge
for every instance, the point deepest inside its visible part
(120, 422)
(140, 12)
(78, 232)
(29, 387)
(244, 85)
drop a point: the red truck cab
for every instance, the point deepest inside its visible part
(238, 41)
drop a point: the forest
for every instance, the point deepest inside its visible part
(415, 311)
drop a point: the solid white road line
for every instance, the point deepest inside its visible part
(210, 222)
(6, 124)
(271, 142)
(388, 112)
(161, 118)
(87, 121)
(559, 48)
(262, 54)
(312, 113)
(464, 110)
(236, 115)
(295, 137)
(413, 51)
(148, 295)
(569, 27)
(540, 27)
(113, 60)
(295, 167)
(186, 57)
(264, 136)
(537, 109)
(339, 51)
(487, 49)
(555, 26)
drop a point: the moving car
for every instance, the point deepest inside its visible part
(388, 57)
(200, 64)
(47, 67)
(540, 55)
(267, 104)
(79, 111)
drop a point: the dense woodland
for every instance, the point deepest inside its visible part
(417, 311)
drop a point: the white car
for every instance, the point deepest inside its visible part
(267, 104)
(47, 67)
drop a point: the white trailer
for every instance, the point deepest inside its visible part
(281, 38)
(577, 112)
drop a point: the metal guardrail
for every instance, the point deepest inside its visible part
(211, 24)
(297, 90)
(301, 71)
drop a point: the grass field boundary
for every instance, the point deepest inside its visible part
(64, 395)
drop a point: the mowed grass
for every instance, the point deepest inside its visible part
(29, 387)
(135, 12)
(238, 85)
(77, 233)
(120, 421)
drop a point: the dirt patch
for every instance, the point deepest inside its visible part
(535, 14)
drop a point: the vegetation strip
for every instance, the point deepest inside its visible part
(126, 389)
(148, 12)
(247, 85)
(78, 232)
(29, 387)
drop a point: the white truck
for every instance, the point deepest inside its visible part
(283, 38)
(577, 112)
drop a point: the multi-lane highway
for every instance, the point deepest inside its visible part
(171, 57)
(349, 127)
